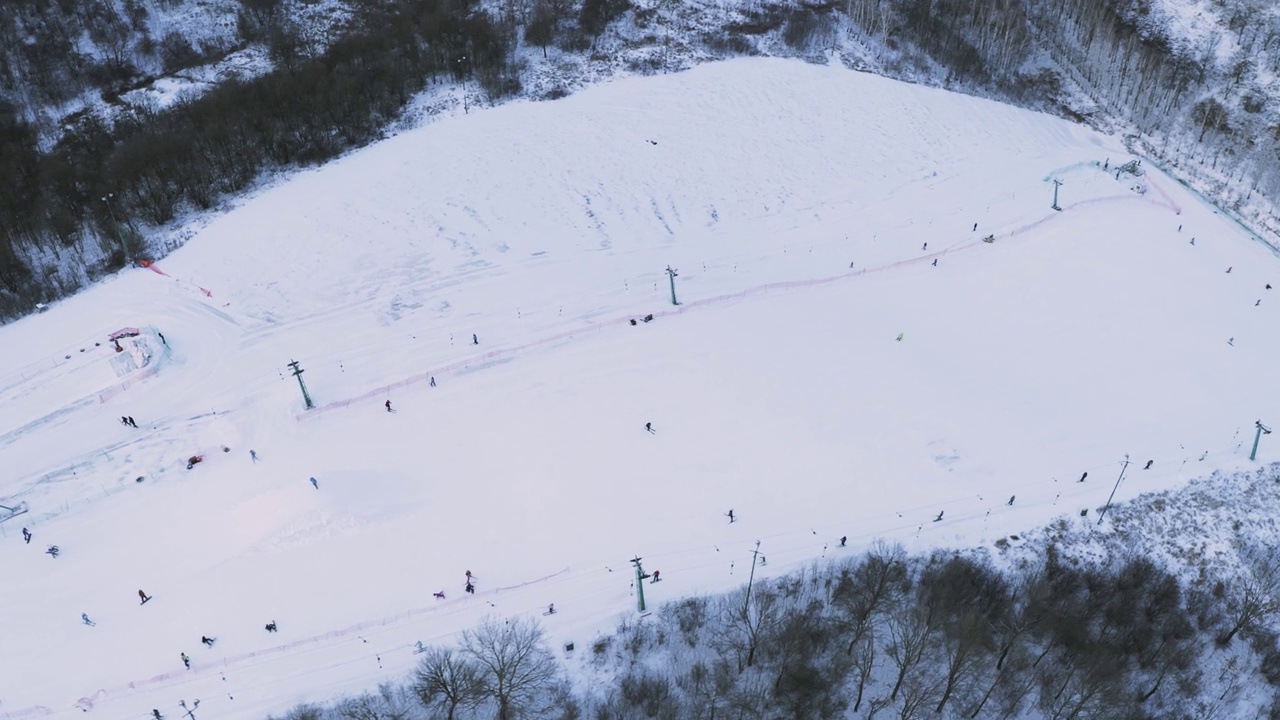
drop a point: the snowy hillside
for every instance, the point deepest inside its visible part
(822, 377)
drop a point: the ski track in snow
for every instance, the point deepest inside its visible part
(776, 387)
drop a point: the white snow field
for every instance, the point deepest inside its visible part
(793, 200)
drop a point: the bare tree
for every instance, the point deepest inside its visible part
(1258, 596)
(515, 664)
(878, 579)
(447, 679)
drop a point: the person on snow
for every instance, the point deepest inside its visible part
(315, 484)
(270, 627)
(433, 381)
(438, 595)
(551, 609)
(155, 714)
(253, 455)
(1082, 477)
(656, 573)
(1011, 499)
(52, 551)
(474, 340)
(843, 539)
(730, 514)
(1148, 465)
(935, 262)
(388, 406)
(939, 518)
(84, 617)
(124, 420)
(185, 660)
(648, 426)
(208, 641)
(143, 596)
(26, 535)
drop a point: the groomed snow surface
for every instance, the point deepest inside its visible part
(794, 202)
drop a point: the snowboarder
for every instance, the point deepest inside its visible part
(52, 551)
(633, 320)
(551, 609)
(1082, 477)
(388, 406)
(208, 641)
(433, 381)
(132, 422)
(1148, 465)
(655, 579)
(648, 426)
(900, 336)
(155, 714)
(763, 561)
(474, 340)
(185, 660)
(730, 514)
(270, 627)
(1229, 270)
(471, 588)
(253, 455)
(1011, 498)
(939, 518)
(162, 340)
(648, 318)
(84, 617)
(843, 540)
(26, 535)
(315, 483)
(143, 596)
(438, 595)
(1231, 341)
(1193, 241)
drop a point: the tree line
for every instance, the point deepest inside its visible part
(886, 634)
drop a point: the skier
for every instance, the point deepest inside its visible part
(315, 484)
(730, 514)
(900, 336)
(155, 714)
(474, 340)
(655, 579)
(935, 262)
(975, 227)
(52, 551)
(843, 539)
(185, 660)
(388, 406)
(433, 381)
(124, 420)
(1011, 497)
(1082, 477)
(84, 617)
(208, 641)
(1193, 241)
(1148, 465)
(162, 340)
(648, 426)
(939, 518)
(26, 535)
(270, 627)
(253, 455)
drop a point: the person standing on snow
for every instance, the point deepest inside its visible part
(315, 484)
(26, 535)
(474, 340)
(388, 406)
(185, 660)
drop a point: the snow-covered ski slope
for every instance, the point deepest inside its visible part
(794, 202)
